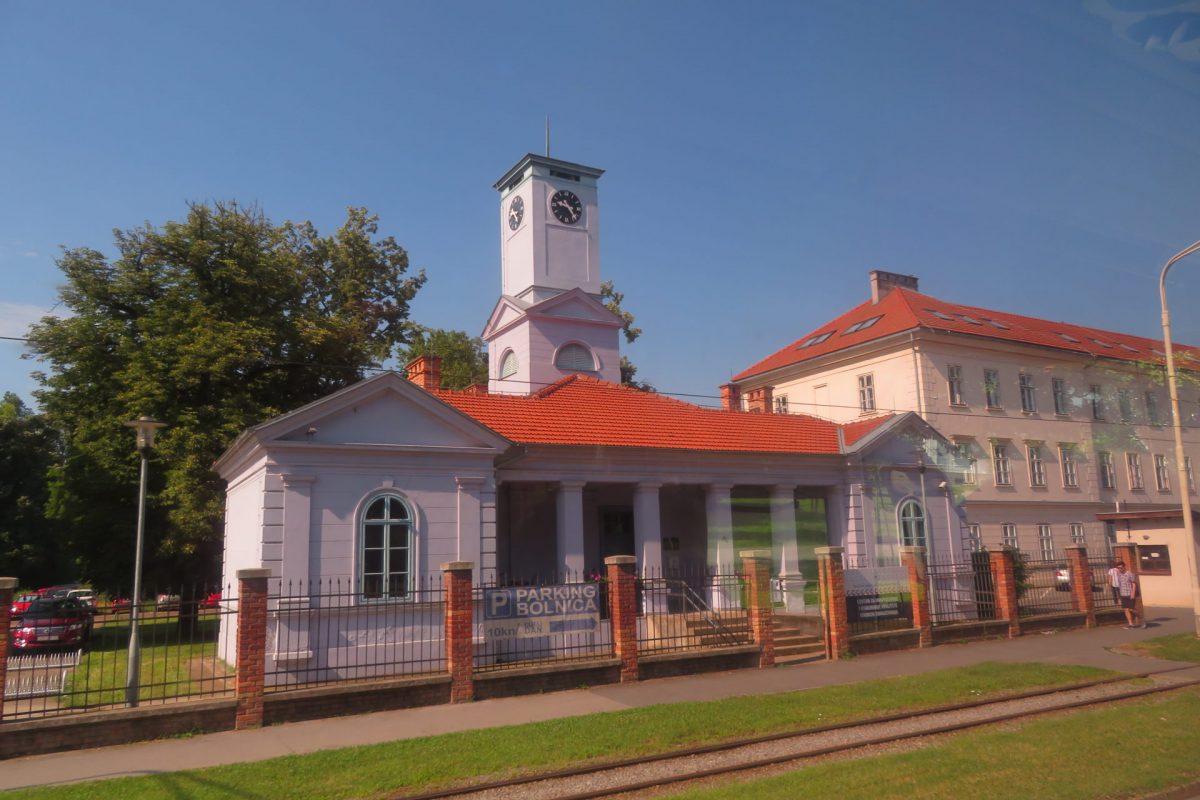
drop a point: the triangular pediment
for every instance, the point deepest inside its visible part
(386, 411)
(575, 304)
(507, 312)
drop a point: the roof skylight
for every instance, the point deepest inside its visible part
(971, 320)
(996, 324)
(1068, 337)
(1127, 348)
(820, 337)
(1101, 342)
(940, 315)
(862, 326)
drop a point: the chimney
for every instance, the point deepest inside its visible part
(731, 397)
(761, 400)
(883, 282)
(425, 371)
(476, 388)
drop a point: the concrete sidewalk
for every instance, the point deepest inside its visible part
(1086, 647)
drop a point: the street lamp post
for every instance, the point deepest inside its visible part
(146, 429)
(1177, 424)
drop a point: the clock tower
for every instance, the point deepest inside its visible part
(549, 321)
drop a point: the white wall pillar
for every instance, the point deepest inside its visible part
(297, 529)
(718, 510)
(785, 551)
(569, 528)
(647, 528)
(469, 518)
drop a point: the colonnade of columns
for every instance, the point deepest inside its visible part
(718, 507)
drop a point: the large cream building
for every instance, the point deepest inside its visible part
(1053, 423)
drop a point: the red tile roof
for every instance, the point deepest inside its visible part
(580, 410)
(853, 431)
(904, 310)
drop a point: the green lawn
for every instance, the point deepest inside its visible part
(422, 764)
(169, 662)
(1124, 751)
(1178, 647)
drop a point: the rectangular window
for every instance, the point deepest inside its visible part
(1096, 395)
(1060, 397)
(1001, 468)
(1110, 535)
(1191, 476)
(991, 387)
(1046, 542)
(954, 378)
(1162, 473)
(1152, 409)
(1125, 404)
(866, 392)
(1037, 466)
(1008, 536)
(1028, 393)
(965, 461)
(1066, 457)
(1154, 559)
(781, 406)
(1077, 534)
(1133, 465)
(974, 538)
(1108, 472)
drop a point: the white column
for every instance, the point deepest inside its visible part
(569, 528)
(470, 526)
(297, 530)
(718, 510)
(647, 528)
(786, 551)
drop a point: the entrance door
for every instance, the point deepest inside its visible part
(616, 531)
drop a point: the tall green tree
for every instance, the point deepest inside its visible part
(212, 323)
(29, 449)
(464, 357)
(612, 301)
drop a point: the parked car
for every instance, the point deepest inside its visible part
(167, 602)
(20, 603)
(211, 601)
(1062, 579)
(85, 595)
(53, 622)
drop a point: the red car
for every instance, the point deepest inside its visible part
(53, 622)
(20, 603)
(211, 601)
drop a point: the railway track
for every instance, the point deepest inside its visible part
(635, 775)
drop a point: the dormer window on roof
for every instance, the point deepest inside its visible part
(1068, 337)
(862, 326)
(940, 315)
(820, 337)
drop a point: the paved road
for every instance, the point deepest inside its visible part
(149, 758)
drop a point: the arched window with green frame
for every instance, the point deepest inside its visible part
(386, 549)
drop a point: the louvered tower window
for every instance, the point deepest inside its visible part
(575, 357)
(508, 365)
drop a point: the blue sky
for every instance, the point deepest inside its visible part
(761, 158)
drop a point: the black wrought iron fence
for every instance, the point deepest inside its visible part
(524, 622)
(691, 609)
(69, 657)
(1104, 595)
(1043, 586)
(331, 630)
(962, 591)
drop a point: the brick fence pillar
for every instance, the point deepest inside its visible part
(251, 647)
(460, 629)
(1081, 582)
(833, 602)
(622, 612)
(1004, 582)
(756, 565)
(1127, 552)
(7, 585)
(913, 559)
